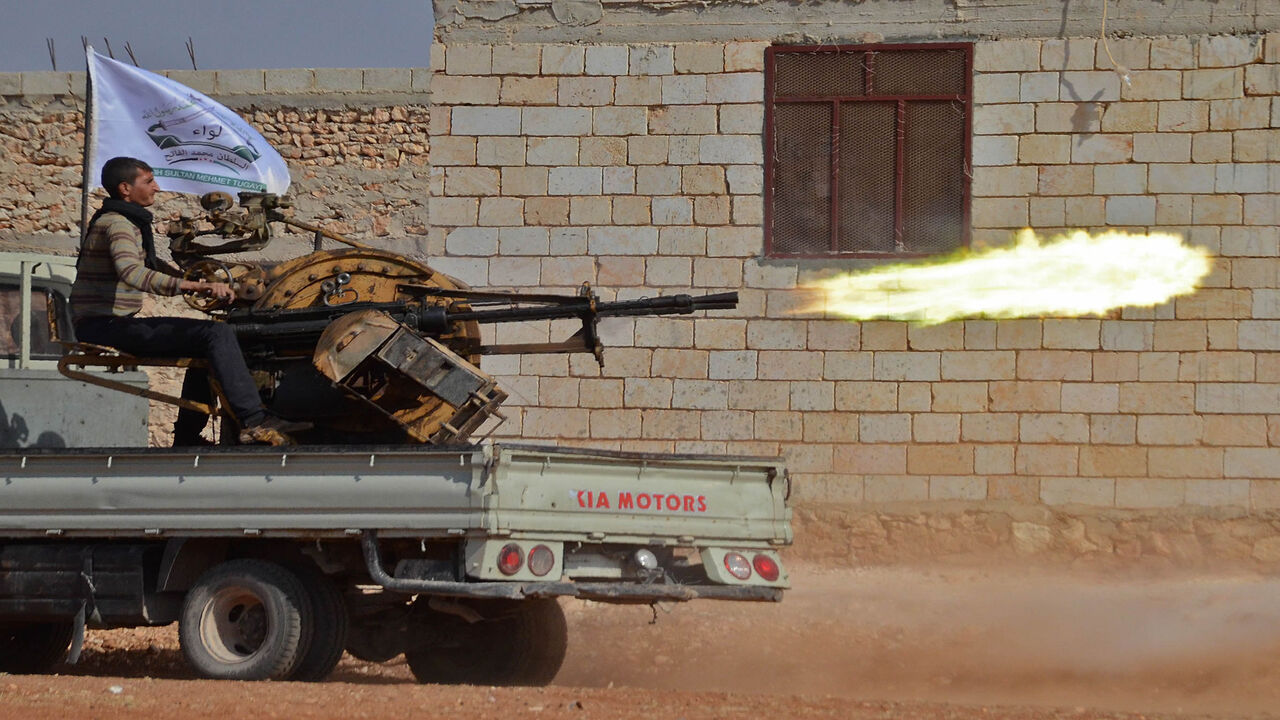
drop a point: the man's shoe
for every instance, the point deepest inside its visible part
(197, 441)
(272, 431)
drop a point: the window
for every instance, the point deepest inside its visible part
(42, 347)
(867, 150)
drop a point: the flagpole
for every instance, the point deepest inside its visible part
(84, 165)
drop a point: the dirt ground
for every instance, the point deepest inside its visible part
(987, 643)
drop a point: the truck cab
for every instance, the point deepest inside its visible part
(39, 408)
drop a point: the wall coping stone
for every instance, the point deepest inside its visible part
(234, 83)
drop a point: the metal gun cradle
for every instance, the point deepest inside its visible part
(371, 346)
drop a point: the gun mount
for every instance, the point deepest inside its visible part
(369, 345)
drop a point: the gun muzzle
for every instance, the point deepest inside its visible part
(718, 301)
(668, 305)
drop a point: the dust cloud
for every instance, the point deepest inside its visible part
(992, 636)
(969, 637)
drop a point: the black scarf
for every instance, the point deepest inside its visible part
(141, 218)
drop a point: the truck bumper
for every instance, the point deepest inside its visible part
(605, 592)
(620, 592)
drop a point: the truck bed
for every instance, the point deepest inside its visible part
(493, 489)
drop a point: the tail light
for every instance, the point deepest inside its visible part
(737, 565)
(541, 560)
(645, 559)
(765, 567)
(510, 558)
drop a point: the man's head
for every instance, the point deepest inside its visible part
(131, 180)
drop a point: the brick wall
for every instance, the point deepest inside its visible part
(355, 140)
(1153, 407)
(356, 143)
(638, 168)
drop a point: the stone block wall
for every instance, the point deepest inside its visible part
(638, 167)
(1147, 407)
(356, 143)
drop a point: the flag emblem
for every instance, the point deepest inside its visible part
(193, 144)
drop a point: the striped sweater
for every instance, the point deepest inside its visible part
(112, 275)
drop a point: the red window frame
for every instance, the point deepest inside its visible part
(868, 67)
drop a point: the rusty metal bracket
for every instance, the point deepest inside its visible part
(86, 355)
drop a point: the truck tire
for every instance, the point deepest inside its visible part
(246, 620)
(519, 642)
(329, 626)
(33, 647)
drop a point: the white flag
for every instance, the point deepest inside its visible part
(193, 144)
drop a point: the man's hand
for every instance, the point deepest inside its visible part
(216, 290)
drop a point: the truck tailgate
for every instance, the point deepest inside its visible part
(561, 493)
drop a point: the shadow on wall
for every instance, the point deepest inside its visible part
(14, 433)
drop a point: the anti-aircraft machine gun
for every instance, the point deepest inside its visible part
(369, 345)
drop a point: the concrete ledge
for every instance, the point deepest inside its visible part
(388, 79)
(422, 79)
(339, 79)
(242, 82)
(215, 83)
(620, 21)
(46, 83)
(204, 81)
(10, 83)
(289, 81)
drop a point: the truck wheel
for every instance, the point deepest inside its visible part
(33, 647)
(519, 642)
(245, 620)
(329, 626)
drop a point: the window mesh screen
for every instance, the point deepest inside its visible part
(866, 176)
(933, 179)
(920, 72)
(819, 74)
(893, 162)
(802, 178)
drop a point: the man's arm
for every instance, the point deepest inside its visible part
(130, 264)
(131, 268)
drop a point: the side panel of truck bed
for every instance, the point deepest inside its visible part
(496, 490)
(227, 491)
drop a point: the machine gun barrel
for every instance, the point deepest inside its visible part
(580, 307)
(298, 329)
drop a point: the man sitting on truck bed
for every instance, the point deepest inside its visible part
(117, 265)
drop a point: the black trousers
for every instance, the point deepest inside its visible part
(185, 337)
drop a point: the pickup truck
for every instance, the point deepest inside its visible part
(273, 561)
